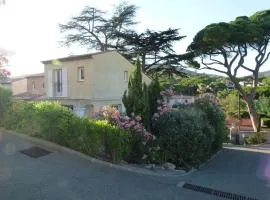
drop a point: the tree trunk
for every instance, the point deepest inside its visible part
(254, 117)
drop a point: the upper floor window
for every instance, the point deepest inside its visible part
(58, 80)
(33, 85)
(126, 76)
(81, 74)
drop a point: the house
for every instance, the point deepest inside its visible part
(86, 83)
(28, 87)
(181, 99)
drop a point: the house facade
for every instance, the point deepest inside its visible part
(85, 83)
(28, 87)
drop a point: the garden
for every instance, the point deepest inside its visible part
(151, 132)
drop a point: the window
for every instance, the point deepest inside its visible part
(43, 85)
(33, 85)
(58, 80)
(81, 74)
(126, 76)
(68, 106)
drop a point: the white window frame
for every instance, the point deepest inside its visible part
(126, 76)
(80, 69)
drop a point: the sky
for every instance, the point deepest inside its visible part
(29, 28)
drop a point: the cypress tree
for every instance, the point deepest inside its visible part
(146, 117)
(133, 98)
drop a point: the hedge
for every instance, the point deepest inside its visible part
(53, 122)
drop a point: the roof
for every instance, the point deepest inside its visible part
(28, 96)
(76, 57)
(16, 78)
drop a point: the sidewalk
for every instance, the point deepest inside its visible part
(263, 148)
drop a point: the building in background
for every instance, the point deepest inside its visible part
(28, 87)
(181, 100)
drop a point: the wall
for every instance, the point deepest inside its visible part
(181, 101)
(38, 81)
(76, 89)
(19, 86)
(243, 122)
(108, 79)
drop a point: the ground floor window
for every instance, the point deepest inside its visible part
(69, 106)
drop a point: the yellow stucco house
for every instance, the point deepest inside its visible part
(87, 82)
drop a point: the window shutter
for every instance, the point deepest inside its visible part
(50, 83)
(64, 82)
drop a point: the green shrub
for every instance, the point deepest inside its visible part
(266, 122)
(116, 142)
(137, 149)
(22, 117)
(86, 136)
(216, 118)
(5, 99)
(185, 137)
(58, 124)
(255, 138)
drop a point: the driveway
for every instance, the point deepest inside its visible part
(64, 176)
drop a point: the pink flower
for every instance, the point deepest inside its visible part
(132, 123)
(137, 127)
(148, 137)
(156, 115)
(127, 118)
(127, 126)
(138, 118)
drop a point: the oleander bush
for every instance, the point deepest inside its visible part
(185, 137)
(216, 118)
(188, 135)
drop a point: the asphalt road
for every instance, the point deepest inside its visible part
(64, 176)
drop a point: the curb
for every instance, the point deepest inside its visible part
(253, 148)
(50, 146)
(203, 164)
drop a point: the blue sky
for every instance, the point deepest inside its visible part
(29, 27)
